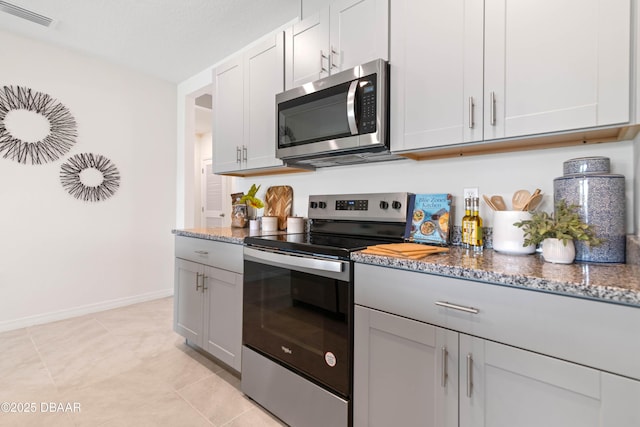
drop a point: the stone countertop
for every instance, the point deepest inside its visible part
(616, 283)
(224, 234)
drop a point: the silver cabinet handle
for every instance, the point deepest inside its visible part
(244, 153)
(202, 252)
(445, 304)
(198, 281)
(204, 287)
(322, 58)
(332, 62)
(351, 107)
(472, 122)
(492, 99)
(238, 158)
(469, 374)
(445, 353)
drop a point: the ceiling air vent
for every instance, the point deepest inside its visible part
(20, 12)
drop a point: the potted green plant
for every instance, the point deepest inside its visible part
(252, 202)
(557, 231)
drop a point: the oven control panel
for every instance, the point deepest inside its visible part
(388, 207)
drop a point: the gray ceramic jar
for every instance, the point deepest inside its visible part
(601, 200)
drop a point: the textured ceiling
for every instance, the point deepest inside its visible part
(170, 39)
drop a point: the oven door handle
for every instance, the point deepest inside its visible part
(295, 261)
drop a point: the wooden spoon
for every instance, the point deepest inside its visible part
(489, 203)
(533, 202)
(499, 203)
(520, 199)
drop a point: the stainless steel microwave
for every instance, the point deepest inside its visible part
(340, 119)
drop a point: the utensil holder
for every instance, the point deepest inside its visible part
(507, 238)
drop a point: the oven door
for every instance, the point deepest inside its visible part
(297, 311)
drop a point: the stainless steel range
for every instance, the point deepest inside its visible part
(298, 307)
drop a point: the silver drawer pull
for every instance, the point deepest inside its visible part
(458, 307)
(202, 252)
(445, 354)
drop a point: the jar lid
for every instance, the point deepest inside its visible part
(587, 165)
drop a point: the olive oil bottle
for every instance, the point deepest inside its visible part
(466, 224)
(475, 235)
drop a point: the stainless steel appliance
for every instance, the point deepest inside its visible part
(340, 119)
(298, 307)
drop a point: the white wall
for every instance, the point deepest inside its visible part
(493, 174)
(61, 256)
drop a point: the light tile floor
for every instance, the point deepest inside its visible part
(122, 367)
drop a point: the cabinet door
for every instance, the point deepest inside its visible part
(405, 372)
(224, 315)
(188, 300)
(553, 65)
(263, 79)
(228, 116)
(307, 50)
(359, 32)
(502, 386)
(436, 73)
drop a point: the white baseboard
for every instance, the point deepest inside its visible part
(9, 325)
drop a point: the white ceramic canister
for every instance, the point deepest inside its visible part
(507, 238)
(269, 223)
(600, 197)
(295, 224)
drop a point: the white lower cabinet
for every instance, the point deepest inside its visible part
(431, 370)
(405, 372)
(504, 386)
(208, 299)
(411, 373)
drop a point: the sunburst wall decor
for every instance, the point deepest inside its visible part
(62, 126)
(72, 182)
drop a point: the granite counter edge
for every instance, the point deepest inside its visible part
(609, 294)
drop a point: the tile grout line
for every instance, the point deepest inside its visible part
(193, 407)
(46, 367)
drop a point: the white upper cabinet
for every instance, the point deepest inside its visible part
(307, 56)
(436, 72)
(465, 71)
(346, 34)
(244, 108)
(264, 78)
(228, 116)
(554, 65)
(359, 32)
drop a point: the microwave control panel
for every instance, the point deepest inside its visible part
(368, 105)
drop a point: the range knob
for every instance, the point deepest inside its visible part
(384, 205)
(396, 205)
(322, 205)
(313, 205)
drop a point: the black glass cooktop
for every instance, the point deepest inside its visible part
(321, 244)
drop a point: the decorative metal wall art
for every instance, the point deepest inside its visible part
(72, 182)
(62, 126)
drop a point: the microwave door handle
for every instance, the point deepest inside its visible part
(351, 107)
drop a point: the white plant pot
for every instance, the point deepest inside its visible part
(553, 250)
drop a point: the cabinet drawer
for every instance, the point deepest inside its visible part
(597, 334)
(227, 256)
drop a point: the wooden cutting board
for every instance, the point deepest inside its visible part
(405, 250)
(278, 202)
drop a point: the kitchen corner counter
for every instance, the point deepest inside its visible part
(223, 234)
(615, 283)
